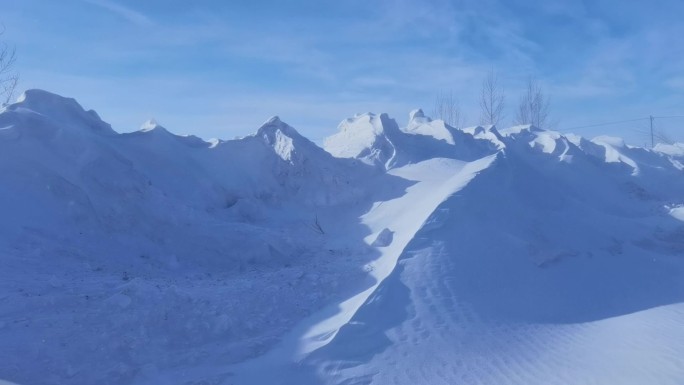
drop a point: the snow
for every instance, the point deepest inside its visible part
(419, 124)
(677, 213)
(150, 125)
(417, 254)
(378, 140)
(675, 149)
(367, 137)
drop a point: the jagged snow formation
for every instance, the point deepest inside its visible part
(417, 254)
(377, 140)
(367, 137)
(122, 251)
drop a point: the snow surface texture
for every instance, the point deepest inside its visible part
(423, 254)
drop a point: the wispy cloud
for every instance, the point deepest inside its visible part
(129, 14)
(676, 83)
(320, 65)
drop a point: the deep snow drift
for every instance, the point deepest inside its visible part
(417, 254)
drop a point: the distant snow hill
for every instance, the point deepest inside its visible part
(423, 254)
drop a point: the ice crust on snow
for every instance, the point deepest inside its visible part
(417, 254)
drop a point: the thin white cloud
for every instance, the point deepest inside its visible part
(129, 14)
(676, 83)
(582, 90)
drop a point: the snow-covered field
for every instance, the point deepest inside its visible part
(401, 255)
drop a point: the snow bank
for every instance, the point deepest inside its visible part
(418, 254)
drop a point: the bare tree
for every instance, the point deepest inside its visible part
(8, 76)
(447, 108)
(534, 106)
(492, 100)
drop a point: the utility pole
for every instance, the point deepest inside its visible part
(652, 141)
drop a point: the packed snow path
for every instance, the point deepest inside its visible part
(394, 224)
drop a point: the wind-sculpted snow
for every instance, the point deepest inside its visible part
(529, 274)
(417, 254)
(121, 251)
(378, 140)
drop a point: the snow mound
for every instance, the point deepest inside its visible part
(419, 124)
(50, 108)
(675, 149)
(150, 125)
(520, 130)
(377, 140)
(417, 254)
(165, 242)
(285, 140)
(367, 137)
(554, 242)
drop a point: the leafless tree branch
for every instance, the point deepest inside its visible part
(9, 77)
(492, 100)
(534, 106)
(447, 108)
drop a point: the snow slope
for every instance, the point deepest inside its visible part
(422, 254)
(556, 282)
(122, 251)
(377, 140)
(560, 262)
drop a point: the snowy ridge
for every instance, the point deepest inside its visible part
(521, 255)
(377, 140)
(367, 137)
(156, 224)
(41, 106)
(572, 223)
(422, 125)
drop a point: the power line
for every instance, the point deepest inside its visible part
(654, 135)
(605, 124)
(667, 117)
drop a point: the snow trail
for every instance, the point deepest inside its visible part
(435, 180)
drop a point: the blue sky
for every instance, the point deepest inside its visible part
(220, 68)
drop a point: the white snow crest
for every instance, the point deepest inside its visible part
(416, 254)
